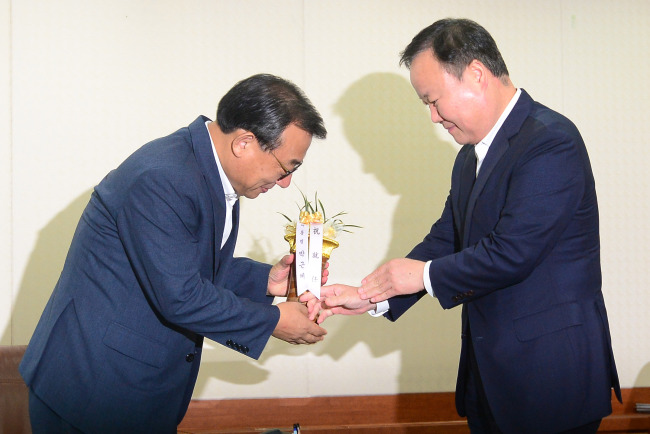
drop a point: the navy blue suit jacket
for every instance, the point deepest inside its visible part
(118, 346)
(525, 266)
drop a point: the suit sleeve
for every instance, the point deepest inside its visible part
(159, 225)
(439, 242)
(249, 279)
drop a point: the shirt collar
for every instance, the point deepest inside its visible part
(482, 147)
(231, 196)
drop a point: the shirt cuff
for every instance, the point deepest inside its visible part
(381, 309)
(427, 280)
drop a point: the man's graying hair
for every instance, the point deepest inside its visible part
(266, 105)
(456, 43)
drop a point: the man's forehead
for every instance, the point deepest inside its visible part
(293, 139)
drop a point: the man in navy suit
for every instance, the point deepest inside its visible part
(517, 246)
(150, 271)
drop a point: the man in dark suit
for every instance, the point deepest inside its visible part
(517, 246)
(150, 271)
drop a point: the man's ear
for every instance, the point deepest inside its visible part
(477, 72)
(243, 142)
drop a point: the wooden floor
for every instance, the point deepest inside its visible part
(405, 413)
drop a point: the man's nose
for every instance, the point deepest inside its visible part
(435, 117)
(284, 182)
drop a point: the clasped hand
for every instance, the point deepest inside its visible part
(396, 277)
(336, 299)
(294, 325)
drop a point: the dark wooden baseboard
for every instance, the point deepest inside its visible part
(411, 413)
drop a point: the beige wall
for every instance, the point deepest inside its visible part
(84, 83)
(7, 289)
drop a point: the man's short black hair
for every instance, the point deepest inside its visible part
(266, 105)
(455, 43)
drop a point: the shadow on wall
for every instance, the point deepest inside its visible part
(43, 270)
(391, 130)
(643, 379)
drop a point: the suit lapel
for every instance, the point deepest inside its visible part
(208, 166)
(498, 148)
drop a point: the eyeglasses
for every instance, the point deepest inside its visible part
(286, 172)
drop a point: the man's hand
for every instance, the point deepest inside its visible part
(326, 273)
(336, 300)
(313, 304)
(396, 277)
(279, 276)
(295, 327)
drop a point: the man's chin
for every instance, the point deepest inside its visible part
(254, 193)
(251, 194)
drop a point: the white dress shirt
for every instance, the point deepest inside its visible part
(231, 196)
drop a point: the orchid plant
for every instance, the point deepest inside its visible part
(315, 213)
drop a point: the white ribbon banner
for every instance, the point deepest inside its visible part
(315, 257)
(302, 257)
(309, 252)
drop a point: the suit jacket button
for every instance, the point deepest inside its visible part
(189, 357)
(246, 350)
(470, 292)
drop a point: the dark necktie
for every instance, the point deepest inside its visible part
(467, 178)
